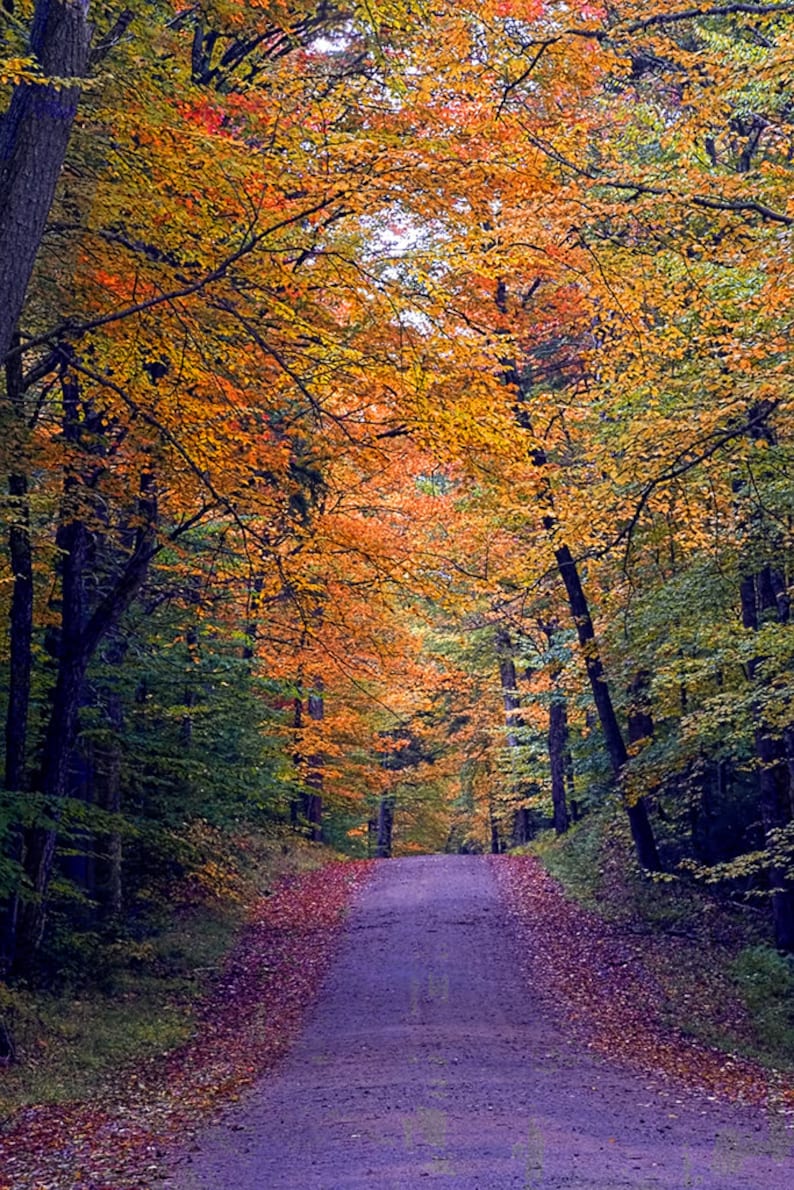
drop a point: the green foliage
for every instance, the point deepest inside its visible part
(132, 994)
(766, 982)
(68, 1043)
(722, 981)
(575, 859)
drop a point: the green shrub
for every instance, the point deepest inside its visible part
(766, 984)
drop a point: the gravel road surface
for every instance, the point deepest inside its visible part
(428, 1058)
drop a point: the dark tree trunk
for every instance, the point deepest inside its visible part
(759, 594)
(20, 662)
(509, 682)
(496, 842)
(80, 638)
(383, 847)
(558, 743)
(641, 830)
(640, 721)
(108, 766)
(78, 865)
(254, 607)
(114, 843)
(21, 617)
(314, 799)
(34, 136)
(522, 826)
(522, 819)
(297, 723)
(190, 693)
(73, 542)
(560, 760)
(570, 785)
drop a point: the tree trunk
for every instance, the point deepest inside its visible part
(20, 663)
(189, 694)
(297, 724)
(314, 800)
(522, 822)
(34, 136)
(558, 742)
(114, 887)
(255, 588)
(641, 830)
(496, 842)
(522, 826)
(640, 720)
(383, 846)
(560, 760)
(108, 766)
(80, 638)
(21, 618)
(759, 594)
(509, 682)
(570, 785)
(73, 542)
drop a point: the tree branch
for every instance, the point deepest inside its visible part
(111, 39)
(71, 329)
(717, 10)
(680, 466)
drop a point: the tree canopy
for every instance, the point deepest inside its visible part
(396, 435)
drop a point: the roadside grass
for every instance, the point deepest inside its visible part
(720, 979)
(766, 984)
(140, 1001)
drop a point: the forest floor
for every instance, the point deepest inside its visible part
(117, 1136)
(475, 1025)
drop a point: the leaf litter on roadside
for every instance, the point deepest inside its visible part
(244, 1026)
(612, 998)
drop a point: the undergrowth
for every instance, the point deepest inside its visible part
(720, 978)
(137, 997)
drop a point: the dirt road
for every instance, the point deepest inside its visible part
(428, 1058)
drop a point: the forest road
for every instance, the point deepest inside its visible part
(427, 1058)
